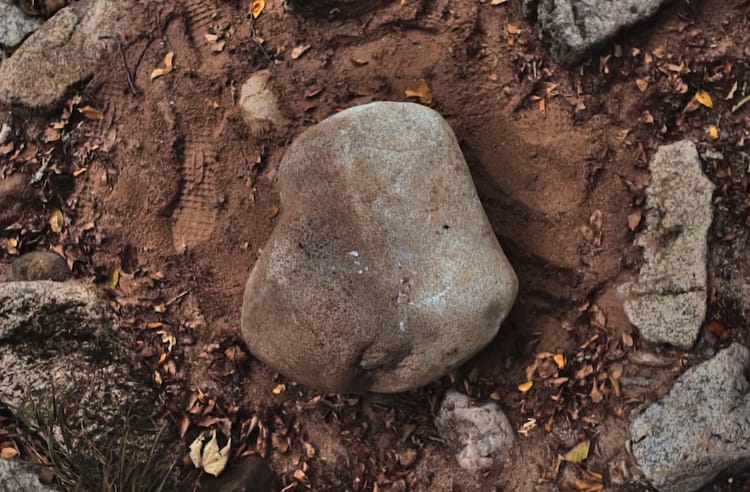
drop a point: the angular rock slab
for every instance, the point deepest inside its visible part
(701, 428)
(383, 272)
(57, 339)
(479, 432)
(64, 51)
(575, 28)
(668, 301)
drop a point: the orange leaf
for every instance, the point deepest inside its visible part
(713, 132)
(423, 92)
(524, 387)
(91, 113)
(256, 8)
(158, 72)
(704, 98)
(559, 360)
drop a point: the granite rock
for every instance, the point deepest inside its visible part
(383, 272)
(14, 25)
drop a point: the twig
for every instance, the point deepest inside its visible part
(128, 75)
(177, 298)
(742, 102)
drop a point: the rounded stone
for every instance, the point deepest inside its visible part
(39, 265)
(383, 272)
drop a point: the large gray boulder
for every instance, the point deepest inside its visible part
(574, 28)
(478, 432)
(57, 341)
(668, 301)
(383, 272)
(14, 25)
(701, 428)
(65, 50)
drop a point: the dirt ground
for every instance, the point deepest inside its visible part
(173, 190)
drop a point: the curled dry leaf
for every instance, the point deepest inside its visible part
(279, 389)
(168, 67)
(559, 360)
(91, 113)
(423, 92)
(524, 387)
(256, 8)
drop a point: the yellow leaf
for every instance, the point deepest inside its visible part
(8, 453)
(256, 8)
(498, 2)
(158, 72)
(579, 452)
(56, 221)
(279, 389)
(704, 98)
(91, 113)
(524, 387)
(195, 451)
(113, 280)
(559, 360)
(423, 92)
(214, 460)
(713, 132)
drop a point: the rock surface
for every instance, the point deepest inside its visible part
(700, 428)
(14, 25)
(39, 265)
(260, 106)
(668, 301)
(16, 476)
(383, 272)
(58, 339)
(479, 432)
(64, 51)
(577, 27)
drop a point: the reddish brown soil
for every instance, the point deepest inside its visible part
(180, 195)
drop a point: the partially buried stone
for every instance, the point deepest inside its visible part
(701, 428)
(39, 265)
(668, 301)
(479, 432)
(383, 272)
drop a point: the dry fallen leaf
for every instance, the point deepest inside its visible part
(158, 72)
(524, 387)
(256, 8)
(300, 50)
(423, 92)
(586, 485)
(279, 389)
(8, 453)
(113, 280)
(713, 132)
(56, 221)
(309, 450)
(214, 460)
(559, 360)
(498, 2)
(512, 29)
(642, 84)
(634, 220)
(91, 113)
(704, 98)
(195, 451)
(579, 452)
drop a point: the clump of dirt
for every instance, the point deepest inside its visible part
(171, 190)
